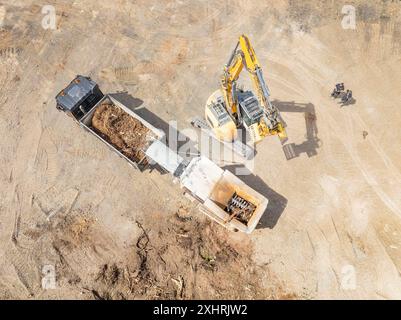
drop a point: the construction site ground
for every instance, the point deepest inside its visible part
(332, 228)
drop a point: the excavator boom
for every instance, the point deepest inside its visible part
(229, 108)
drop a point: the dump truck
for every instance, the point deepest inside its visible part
(221, 195)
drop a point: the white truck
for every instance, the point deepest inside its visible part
(221, 195)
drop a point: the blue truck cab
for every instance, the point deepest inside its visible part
(79, 97)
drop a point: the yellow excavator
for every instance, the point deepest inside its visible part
(230, 108)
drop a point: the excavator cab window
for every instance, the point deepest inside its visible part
(250, 109)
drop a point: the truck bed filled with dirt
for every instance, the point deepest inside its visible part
(123, 131)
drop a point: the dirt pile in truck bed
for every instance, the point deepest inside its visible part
(123, 131)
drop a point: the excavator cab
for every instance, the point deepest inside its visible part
(250, 109)
(252, 116)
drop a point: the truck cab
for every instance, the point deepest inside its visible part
(250, 109)
(79, 97)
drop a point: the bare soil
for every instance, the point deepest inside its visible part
(334, 211)
(123, 131)
(177, 256)
(182, 257)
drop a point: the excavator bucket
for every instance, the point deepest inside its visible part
(282, 134)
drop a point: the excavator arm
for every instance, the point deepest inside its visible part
(244, 56)
(232, 70)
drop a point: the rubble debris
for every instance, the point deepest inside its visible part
(123, 131)
(109, 274)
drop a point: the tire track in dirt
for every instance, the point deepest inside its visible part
(347, 136)
(51, 167)
(371, 177)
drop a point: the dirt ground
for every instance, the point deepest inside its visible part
(332, 228)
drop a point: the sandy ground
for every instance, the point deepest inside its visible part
(333, 226)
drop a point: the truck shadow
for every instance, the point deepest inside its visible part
(175, 139)
(312, 142)
(277, 203)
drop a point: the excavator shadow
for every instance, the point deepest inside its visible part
(277, 203)
(175, 139)
(312, 142)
